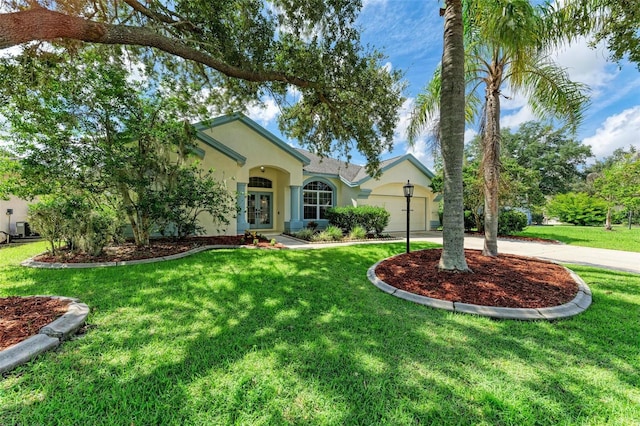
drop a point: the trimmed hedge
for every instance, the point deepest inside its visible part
(372, 219)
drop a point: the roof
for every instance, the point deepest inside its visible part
(352, 174)
(330, 166)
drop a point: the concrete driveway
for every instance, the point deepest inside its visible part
(601, 258)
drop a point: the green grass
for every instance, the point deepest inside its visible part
(261, 337)
(620, 238)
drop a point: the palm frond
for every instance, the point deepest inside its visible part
(553, 95)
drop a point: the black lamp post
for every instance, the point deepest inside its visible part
(408, 193)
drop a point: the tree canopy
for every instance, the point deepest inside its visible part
(334, 93)
(616, 22)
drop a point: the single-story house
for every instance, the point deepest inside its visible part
(282, 189)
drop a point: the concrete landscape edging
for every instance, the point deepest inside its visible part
(579, 304)
(49, 337)
(59, 265)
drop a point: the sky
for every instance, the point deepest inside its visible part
(409, 32)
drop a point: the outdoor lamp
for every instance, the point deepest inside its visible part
(408, 193)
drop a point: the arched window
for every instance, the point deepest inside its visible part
(317, 198)
(259, 182)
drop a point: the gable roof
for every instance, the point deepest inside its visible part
(352, 174)
(229, 118)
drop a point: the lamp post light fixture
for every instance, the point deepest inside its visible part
(408, 193)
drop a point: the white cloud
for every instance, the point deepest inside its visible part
(367, 3)
(513, 121)
(587, 65)
(618, 131)
(469, 134)
(265, 113)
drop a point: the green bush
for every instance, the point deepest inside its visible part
(577, 209)
(537, 218)
(304, 234)
(358, 233)
(71, 220)
(331, 233)
(511, 221)
(373, 219)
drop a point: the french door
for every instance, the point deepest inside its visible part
(260, 210)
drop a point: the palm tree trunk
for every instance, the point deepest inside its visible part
(491, 168)
(452, 121)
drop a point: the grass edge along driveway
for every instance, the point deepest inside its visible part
(302, 337)
(620, 238)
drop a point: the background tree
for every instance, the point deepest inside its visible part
(241, 50)
(616, 22)
(559, 159)
(619, 186)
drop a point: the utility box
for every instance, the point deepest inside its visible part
(23, 229)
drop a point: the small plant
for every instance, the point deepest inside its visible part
(312, 225)
(334, 233)
(272, 242)
(358, 233)
(256, 241)
(305, 234)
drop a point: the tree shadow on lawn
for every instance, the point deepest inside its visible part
(302, 336)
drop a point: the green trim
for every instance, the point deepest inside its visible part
(229, 118)
(364, 194)
(199, 152)
(219, 146)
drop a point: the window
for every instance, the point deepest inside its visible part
(317, 198)
(259, 182)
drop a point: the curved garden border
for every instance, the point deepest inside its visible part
(49, 337)
(60, 265)
(578, 305)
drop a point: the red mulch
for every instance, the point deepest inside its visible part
(22, 317)
(157, 248)
(505, 281)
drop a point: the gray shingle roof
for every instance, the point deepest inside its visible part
(348, 171)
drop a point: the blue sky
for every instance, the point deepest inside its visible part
(409, 32)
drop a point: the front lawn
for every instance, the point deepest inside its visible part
(620, 238)
(301, 337)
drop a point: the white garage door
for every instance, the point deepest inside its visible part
(397, 207)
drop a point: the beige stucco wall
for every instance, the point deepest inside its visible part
(258, 151)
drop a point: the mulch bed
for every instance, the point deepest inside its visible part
(505, 281)
(22, 317)
(158, 248)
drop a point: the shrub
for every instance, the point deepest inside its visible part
(304, 234)
(537, 218)
(577, 209)
(97, 230)
(373, 219)
(358, 233)
(511, 221)
(331, 233)
(70, 219)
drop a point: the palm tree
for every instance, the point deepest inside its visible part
(451, 135)
(506, 45)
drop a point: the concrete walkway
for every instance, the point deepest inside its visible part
(601, 258)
